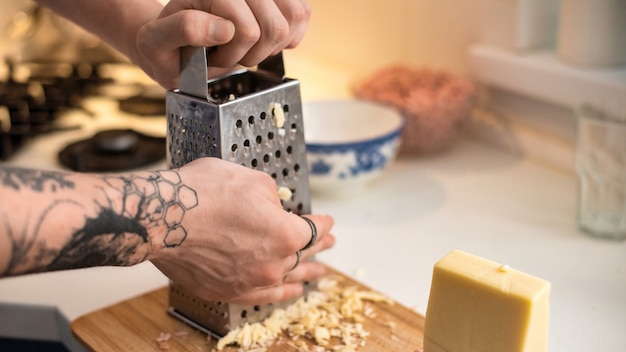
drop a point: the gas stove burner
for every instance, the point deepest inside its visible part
(34, 94)
(113, 150)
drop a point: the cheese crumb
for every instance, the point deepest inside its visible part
(359, 273)
(284, 193)
(279, 115)
(163, 337)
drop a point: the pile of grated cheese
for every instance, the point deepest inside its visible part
(331, 313)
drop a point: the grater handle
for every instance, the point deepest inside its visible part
(273, 66)
(194, 70)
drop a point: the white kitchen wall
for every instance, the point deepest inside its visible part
(357, 37)
(364, 35)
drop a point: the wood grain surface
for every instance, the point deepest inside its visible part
(136, 324)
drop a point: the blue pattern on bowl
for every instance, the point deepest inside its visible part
(367, 156)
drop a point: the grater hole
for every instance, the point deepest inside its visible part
(296, 167)
(270, 135)
(266, 158)
(286, 108)
(259, 139)
(300, 207)
(285, 172)
(273, 175)
(289, 149)
(257, 308)
(255, 163)
(277, 154)
(263, 115)
(246, 143)
(239, 123)
(244, 314)
(251, 120)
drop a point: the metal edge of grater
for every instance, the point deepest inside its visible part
(231, 118)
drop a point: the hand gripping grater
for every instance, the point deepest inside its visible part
(236, 118)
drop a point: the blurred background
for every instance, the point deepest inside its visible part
(509, 73)
(533, 61)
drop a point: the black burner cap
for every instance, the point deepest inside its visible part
(113, 150)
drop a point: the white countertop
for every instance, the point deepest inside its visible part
(474, 198)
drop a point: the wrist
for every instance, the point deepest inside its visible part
(165, 203)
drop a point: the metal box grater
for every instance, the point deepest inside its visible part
(232, 118)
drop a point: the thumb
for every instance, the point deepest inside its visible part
(159, 41)
(192, 28)
(221, 31)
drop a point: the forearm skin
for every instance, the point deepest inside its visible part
(56, 221)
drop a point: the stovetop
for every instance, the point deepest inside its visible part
(112, 99)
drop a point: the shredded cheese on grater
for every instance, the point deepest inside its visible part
(278, 114)
(332, 313)
(284, 193)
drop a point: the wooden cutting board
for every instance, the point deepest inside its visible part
(137, 323)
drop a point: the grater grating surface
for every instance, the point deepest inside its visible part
(232, 118)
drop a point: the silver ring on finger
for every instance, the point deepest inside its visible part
(313, 233)
(298, 255)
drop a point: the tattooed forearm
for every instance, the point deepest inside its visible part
(36, 180)
(110, 225)
(116, 235)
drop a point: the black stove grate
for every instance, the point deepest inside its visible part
(30, 105)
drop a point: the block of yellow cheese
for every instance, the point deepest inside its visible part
(477, 305)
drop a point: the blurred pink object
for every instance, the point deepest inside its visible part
(435, 103)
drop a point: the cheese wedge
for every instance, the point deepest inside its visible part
(477, 305)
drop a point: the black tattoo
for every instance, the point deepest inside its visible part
(36, 180)
(118, 234)
(162, 201)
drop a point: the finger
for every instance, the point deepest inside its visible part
(247, 32)
(306, 271)
(270, 294)
(302, 236)
(274, 31)
(159, 41)
(291, 288)
(297, 261)
(188, 28)
(295, 233)
(323, 244)
(297, 14)
(314, 230)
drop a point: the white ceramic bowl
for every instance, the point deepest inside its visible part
(349, 142)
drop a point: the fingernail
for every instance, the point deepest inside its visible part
(222, 30)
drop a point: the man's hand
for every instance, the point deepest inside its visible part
(241, 244)
(243, 32)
